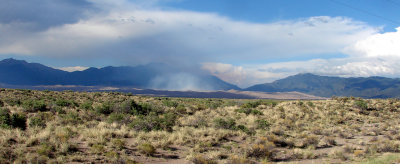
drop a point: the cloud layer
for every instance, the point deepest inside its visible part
(379, 45)
(138, 32)
(150, 34)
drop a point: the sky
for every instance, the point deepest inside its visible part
(244, 42)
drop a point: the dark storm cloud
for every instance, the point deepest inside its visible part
(43, 13)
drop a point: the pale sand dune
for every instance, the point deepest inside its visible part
(232, 94)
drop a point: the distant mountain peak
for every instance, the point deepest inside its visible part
(13, 61)
(91, 69)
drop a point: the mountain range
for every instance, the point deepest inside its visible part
(155, 76)
(326, 86)
(166, 77)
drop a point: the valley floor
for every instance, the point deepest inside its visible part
(111, 127)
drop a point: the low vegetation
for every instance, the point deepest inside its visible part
(110, 127)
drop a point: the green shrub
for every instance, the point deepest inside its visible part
(142, 108)
(65, 103)
(124, 107)
(170, 103)
(262, 124)
(97, 149)
(39, 120)
(131, 107)
(147, 149)
(256, 112)
(181, 109)
(255, 104)
(248, 111)
(58, 109)
(45, 149)
(71, 118)
(5, 119)
(18, 121)
(252, 104)
(245, 129)
(34, 105)
(13, 102)
(112, 155)
(105, 108)
(271, 103)
(128, 107)
(154, 122)
(118, 144)
(87, 105)
(200, 107)
(66, 148)
(168, 121)
(97, 94)
(1, 103)
(116, 117)
(212, 103)
(146, 123)
(12, 121)
(300, 103)
(228, 123)
(361, 104)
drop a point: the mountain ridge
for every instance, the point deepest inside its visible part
(328, 86)
(20, 72)
(165, 77)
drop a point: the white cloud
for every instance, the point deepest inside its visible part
(378, 45)
(126, 31)
(72, 69)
